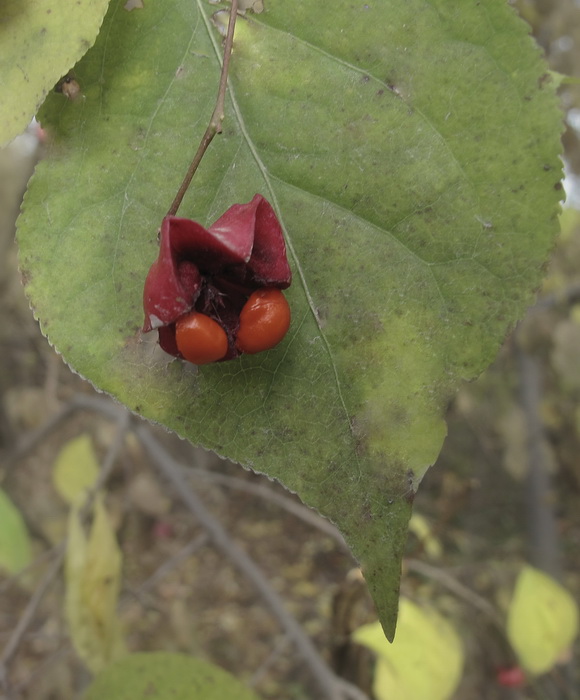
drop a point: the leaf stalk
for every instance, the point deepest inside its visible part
(215, 123)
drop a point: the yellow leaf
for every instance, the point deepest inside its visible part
(93, 571)
(542, 620)
(387, 684)
(424, 661)
(421, 528)
(76, 469)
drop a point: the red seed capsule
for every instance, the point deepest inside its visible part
(200, 339)
(264, 321)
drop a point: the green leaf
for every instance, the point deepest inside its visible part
(75, 469)
(411, 151)
(542, 620)
(159, 675)
(15, 552)
(424, 661)
(41, 40)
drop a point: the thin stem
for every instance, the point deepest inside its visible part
(330, 686)
(184, 553)
(456, 587)
(215, 123)
(106, 469)
(32, 439)
(123, 422)
(291, 506)
(29, 612)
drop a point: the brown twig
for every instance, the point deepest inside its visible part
(564, 297)
(544, 541)
(457, 588)
(27, 616)
(107, 407)
(12, 580)
(31, 440)
(169, 564)
(215, 123)
(331, 686)
(124, 421)
(300, 511)
(279, 648)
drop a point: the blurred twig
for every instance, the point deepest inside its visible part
(330, 685)
(279, 648)
(262, 491)
(28, 615)
(457, 588)
(169, 564)
(109, 460)
(565, 297)
(31, 440)
(544, 540)
(40, 559)
(123, 423)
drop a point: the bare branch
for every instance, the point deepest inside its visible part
(300, 511)
(332, 687)
(457, 588)
(28, 614)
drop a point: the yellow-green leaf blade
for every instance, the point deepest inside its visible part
(424, 661)
(75, 469)
(15, 550)
(542, 620)
(93, 577)
(40, 42)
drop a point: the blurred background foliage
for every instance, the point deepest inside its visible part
(556, 27)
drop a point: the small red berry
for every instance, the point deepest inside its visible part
(200, 339)
(163, 530)
(264, 321)
(511, 677)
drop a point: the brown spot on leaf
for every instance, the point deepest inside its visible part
(544, 79)
(409, 495)
(69, 87)
(150, 690)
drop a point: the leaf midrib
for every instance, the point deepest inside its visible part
(274, 201)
